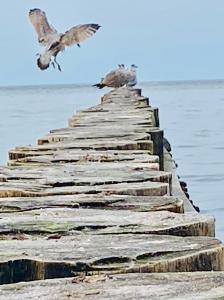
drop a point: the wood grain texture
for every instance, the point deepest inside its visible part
(94, 198)
(167, 286)
(35, 257)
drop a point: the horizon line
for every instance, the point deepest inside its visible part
(90, 84)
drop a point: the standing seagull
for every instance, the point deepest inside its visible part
(132, 77)
(116, 78)
(53, 41)
(119, 77)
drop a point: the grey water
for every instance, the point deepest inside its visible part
(191, 114)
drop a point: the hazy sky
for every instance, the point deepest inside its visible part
(167, 39)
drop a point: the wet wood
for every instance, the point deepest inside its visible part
(168, 286)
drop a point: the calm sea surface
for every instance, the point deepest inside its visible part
(191, 113)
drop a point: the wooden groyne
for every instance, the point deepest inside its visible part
(99, 201)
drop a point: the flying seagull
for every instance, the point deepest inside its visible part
(53, 41)
(119, 77)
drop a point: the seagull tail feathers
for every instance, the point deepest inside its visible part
(99, 85)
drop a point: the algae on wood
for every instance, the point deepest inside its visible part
(63, 220)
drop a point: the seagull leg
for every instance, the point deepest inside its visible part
(59, 67)
(55, 61)
(78, 45)
(53, 64)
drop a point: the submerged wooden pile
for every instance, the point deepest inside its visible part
(101, 198)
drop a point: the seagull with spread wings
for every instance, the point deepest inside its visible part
(53, 41)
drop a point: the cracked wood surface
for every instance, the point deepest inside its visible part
(91, 173)
(34, 257)
(62, 220)
(113, 202)
(167, 286)
(93, 198)
(81, 156)
(22, 188)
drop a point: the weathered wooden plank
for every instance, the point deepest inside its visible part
(98, 144)
(55, 138)
(101, 145)
(78, 155)
(114, 202)
(123, 122)
(114, 103)
(99, 129)
(38, 258)
(32, 189)
(165, 286)
(63, 220)
(91, 133)
(98, 132)
(83, 174)
(85, 166)
(116, 110)
(154, 134)
(73, 122)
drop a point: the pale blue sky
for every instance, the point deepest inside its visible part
(167, 39)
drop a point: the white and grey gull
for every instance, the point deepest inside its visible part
(119, 77)
(53, 41)
(132, 76)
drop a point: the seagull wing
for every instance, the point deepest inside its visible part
(131, 77)
(78, 34)
(116, 78)
(45, 32)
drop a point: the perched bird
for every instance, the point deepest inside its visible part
(132, 77)
(119, 77)
(53, 41)
(116, 78)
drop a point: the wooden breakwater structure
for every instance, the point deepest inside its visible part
(93, 208)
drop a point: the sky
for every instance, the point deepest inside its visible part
(167, 39)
